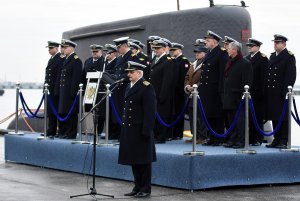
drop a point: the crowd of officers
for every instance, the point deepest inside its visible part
(219, 72)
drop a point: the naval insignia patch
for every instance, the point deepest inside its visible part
(291, 53)
(76, 57)
(223, 49)
(141, 59)
(169, 58)
(146, 83)
(263, 55)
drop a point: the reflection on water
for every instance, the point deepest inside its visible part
(33, 97)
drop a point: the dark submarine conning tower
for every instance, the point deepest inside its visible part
(183, 26)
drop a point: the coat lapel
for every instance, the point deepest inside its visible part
(129, 92)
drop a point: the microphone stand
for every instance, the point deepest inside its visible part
(93, 190)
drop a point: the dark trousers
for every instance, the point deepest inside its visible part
(142, 177)
(217, 124)
(254, 135)
(178, 128)
(202, 131)
(52, 124)
(238, 133)
(69, 127)
(282, 135)
(161, 132)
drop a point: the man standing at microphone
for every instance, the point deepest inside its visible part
(137, 138)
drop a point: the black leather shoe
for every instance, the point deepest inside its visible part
(272, 145)
(238, 145)
(159, 141)
(132, 193)
(228, 144)
(281, 146)
(142, 195)
(256, 144)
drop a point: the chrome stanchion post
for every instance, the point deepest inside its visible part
(289, 143)
(108, 92)
(194, 152)
(80, 141)
(45, 114)
(17, 112)
(246, 148)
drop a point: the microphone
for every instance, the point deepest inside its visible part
(118, 81)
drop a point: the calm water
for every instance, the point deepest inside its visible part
(33, 97)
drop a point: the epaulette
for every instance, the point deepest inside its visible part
(263, 55)
(291, 53)
(184, 58)
(133, 55)
(146, 83)
(62, 56)
(76, 57)
(141, 59)
(223, 49)
(169, 58)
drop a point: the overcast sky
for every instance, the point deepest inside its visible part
(27, 25)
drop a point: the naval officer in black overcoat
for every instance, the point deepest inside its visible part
(70, 78)
(137, 139)
(259, 63)
(211, 84)
(93, 64)
(280, 74)
(125, 55)
(162, 78)
(181, 67)
(111, 58)
(52, 76)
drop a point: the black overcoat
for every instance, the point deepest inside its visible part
(70, 79)
(137, 138)
(259, 65)
(211, 81)
(52, 77)
(280, 74)
(162, 78)
(239, 75)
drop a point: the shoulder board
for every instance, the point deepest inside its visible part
(263, 55)
(169, 58)
(223, 49)
(146, 83)
(133, 55)
(184, 58)
(62, 56)
(141, 59)
(76, 57)
(291, 53)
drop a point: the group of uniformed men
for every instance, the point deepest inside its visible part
(161, 81)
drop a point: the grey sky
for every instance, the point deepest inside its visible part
(26, 26)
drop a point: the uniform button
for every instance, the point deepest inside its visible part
(274, 74)
(206, 76)
(149, 78)
(123, 123)
(268, 86)
(274, 80)
(151, 70)
(269, 73)
(130, 109)
(207, 70)
(206, 83)
(270, 68)
(123, 115)
(129, 124)
(273, 86)
(129, 117)
(130, 101)
(268, 80)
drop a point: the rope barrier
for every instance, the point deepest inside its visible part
(69, 113)
(115, 111)
(296, 117)
(178, 117)
(8, 117)
(285, 104)
(26, 122)
(25, 106)
(224, 135)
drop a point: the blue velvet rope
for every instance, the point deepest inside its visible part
(177, 118)
(25, 107)
(115, 111)
(200, 107)
(55, 112)
(279, 122)
(296, 118)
